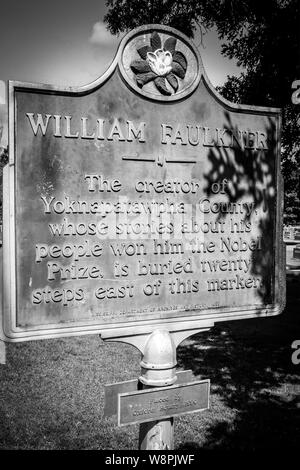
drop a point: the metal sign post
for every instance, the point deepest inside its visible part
(158, 369)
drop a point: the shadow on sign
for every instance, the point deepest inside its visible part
(251, 175)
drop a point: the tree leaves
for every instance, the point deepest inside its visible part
(140, 66)
(160, 83)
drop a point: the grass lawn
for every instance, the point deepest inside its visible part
(52, 391)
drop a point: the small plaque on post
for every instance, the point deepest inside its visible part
(164, 402)
(111, 391)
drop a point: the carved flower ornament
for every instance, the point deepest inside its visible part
(160, 64)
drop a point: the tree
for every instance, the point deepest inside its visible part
(124, 15)
(264, 39)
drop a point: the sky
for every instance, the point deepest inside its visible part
(65, 42)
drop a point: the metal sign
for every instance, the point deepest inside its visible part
(111, 391)
(141, 200)
(163, 402)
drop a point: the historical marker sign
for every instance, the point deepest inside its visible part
(140, 199)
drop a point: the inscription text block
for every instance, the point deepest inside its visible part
(160, 403)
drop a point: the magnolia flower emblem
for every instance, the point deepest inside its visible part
(159, 64)
(160, 61)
